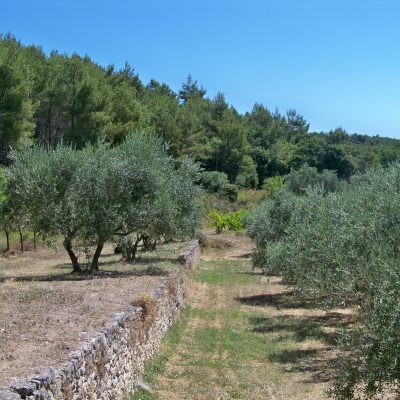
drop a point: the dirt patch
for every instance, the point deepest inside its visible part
(226, 246)
(46, 312)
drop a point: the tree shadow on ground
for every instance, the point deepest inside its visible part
(292, 356)
(150, 270)
(252, 273)
(139, 260)
(289, 299)
(321, 327)
(317, 365)
(243, 256)
(307, 328)
(142, 266)
(155, 259)
(109, 255)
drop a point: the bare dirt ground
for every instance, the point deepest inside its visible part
(46, 312)
(227, 246)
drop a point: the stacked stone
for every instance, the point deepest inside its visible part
(112, 363)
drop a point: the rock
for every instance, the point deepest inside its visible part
(23, 388)
(203, 240)
(6, 394)
(144, 386)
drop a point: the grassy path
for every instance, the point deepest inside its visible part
(243, 336)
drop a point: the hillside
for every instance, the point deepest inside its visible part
(53, 98)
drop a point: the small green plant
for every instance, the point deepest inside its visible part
(273, 183)
(231, 221)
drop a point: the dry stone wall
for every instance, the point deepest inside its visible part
(112, 363)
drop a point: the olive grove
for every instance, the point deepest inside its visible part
(343, 248)
(91, 195)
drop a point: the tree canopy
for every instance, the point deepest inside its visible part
(56, 98)
(95, 193)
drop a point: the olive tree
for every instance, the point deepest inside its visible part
(89, 196)
(163, 198)
(299, 181)
(40, 182)
(96, 198)
(69, 193)
(344, 248)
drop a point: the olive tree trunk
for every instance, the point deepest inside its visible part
(21, 239)
(7, 232)
(74, 259)
(94, 266)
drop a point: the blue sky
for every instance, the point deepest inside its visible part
(337, 62)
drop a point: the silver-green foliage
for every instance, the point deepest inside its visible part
(299, 181)
(160, 197)
(344, 247)
(268, 224)
(95, 193)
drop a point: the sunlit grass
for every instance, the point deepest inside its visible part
(226, 272)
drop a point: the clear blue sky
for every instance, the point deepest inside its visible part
(337, 62)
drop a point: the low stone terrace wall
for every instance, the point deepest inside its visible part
(111, 363)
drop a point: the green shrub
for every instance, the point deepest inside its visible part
(229, 192)
(217, 182)
(299, 181)
(250, 199)
(272, 184)
(231, 221)
(214, 181)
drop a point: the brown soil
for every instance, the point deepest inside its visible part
(227, 246)
(46, 312)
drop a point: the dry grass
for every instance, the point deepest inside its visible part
(54, 263)
(226, 246)
(245, 336)
(46, 311)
